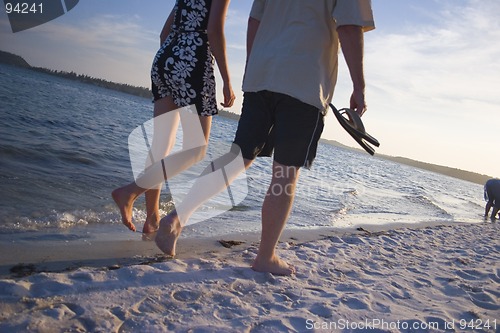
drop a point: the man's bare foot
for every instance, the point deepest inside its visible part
(275, 266)
(168, 233)
(125, 202)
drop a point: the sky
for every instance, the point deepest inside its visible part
(432, 68)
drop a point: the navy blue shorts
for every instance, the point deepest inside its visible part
(277, 122)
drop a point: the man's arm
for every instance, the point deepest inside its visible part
(352, 43)
(253, 26)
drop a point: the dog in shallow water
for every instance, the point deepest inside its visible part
(492, 197)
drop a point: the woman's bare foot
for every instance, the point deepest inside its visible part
(152, 224)
(168, 233)
(125, 202)
(150, 227)
(275, 266)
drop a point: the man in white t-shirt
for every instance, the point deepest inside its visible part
(290, 76)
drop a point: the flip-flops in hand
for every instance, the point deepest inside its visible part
(352, 123)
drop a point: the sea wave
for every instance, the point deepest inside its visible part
(64, 148)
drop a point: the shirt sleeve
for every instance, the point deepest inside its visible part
(354, 12)
(257, 9)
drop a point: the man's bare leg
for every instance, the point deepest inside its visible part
(275, 211)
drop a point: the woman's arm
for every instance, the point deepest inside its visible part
(215, 31)
(167, 27)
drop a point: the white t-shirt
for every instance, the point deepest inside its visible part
(295, 51)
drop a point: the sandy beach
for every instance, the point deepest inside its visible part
(425, 279)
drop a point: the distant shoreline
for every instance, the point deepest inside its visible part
(443, 170)
(18, 61)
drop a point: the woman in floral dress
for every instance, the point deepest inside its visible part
(182, 75)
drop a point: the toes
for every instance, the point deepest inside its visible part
(129, 225)
(275, 266)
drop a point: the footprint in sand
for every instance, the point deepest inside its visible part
(471, 275)
(242, 287)
(186, 295)
(62, 310)
(151, 304)
(354, 303)
(270, 326)
(322, 310)
(481, 297)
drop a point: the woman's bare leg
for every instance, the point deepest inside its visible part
(164, 134)
(174, 229)
(171, 165)
(163, 140)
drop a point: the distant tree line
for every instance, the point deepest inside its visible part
(126, 88)
(15, 60)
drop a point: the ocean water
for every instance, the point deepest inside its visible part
(63, 149)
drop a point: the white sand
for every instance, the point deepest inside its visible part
(407, 280)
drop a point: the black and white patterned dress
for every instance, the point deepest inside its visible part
(184, 65)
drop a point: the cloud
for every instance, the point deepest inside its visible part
(108, 33)
(112, 47)
(235, 29)
(453, 59)
(433, 85)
